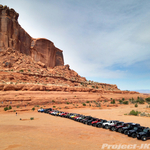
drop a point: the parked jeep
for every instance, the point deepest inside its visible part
(88, 122)
(129, 127)
(119, 128)
(93, 123)
(133, 133)
(99, 124)
(144, 135)
(114, 127)
(107, 124)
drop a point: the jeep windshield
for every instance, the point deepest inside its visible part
(135, 128)
(146, 130)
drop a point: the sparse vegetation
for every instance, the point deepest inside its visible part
(6, 108)
(54, 106)
(87, 101)
(135, 113)
(84, 104)
(33, 108)
(20, 70)
(67, 103)
(32, 118)
(53, 101)
(113, 101)
(136, 105)
(123, 99)
(10, 107)
(126, 102)
(120, 101)
(147, 99)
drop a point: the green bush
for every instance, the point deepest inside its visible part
(32, 118)
(53, 101)
(126, 102)
(87, 101)
(135, 113)
(84, 104)
(33, 108)
(123, 99)
(113, 101)
(147, 99)
(6, 108)
(120, 101)
(20, 70)
(67, 102)
(10, 107)
(136, 105)
(140, 100)
(54, 106)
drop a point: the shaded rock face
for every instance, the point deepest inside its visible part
(12, 35)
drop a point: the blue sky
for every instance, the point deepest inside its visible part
(103, 40)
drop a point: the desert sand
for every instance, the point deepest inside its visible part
(51, 132)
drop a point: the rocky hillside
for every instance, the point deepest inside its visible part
(17, 68)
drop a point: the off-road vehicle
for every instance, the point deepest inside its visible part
(133, 133)
(144, 135)
(99, 124)
(107, 124)
(93, 123)
(114, 127)
(129, 127)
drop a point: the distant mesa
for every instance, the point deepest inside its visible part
(13, 36)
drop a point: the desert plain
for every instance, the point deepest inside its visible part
(56, 133)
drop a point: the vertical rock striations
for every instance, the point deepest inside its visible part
(12, 35)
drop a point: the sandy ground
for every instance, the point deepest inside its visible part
(51, 132)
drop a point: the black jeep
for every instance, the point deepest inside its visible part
(144, 135)
(130, 126)
(133, 133)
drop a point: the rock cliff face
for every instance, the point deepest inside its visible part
(13, 36)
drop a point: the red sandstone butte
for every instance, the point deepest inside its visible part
(13, 36)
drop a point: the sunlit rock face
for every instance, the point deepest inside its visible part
(12, 35)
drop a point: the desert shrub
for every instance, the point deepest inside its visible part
(140, 100)
(18, 106)
(120, 101)
(84, 104)
(126, 102)
(6, 108)
(67, 102)
(143, 114)
(14, 110)
(20, 70)
(135, 113)
(123, 99)
(98, 104)
(54, 106)
(33, 108)
(87, 101)
(10, 107)
(53, 101)
(90, 105)
(147, 99)
(113, 101)
(36, 106)
(136, 105)
(32, 118)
